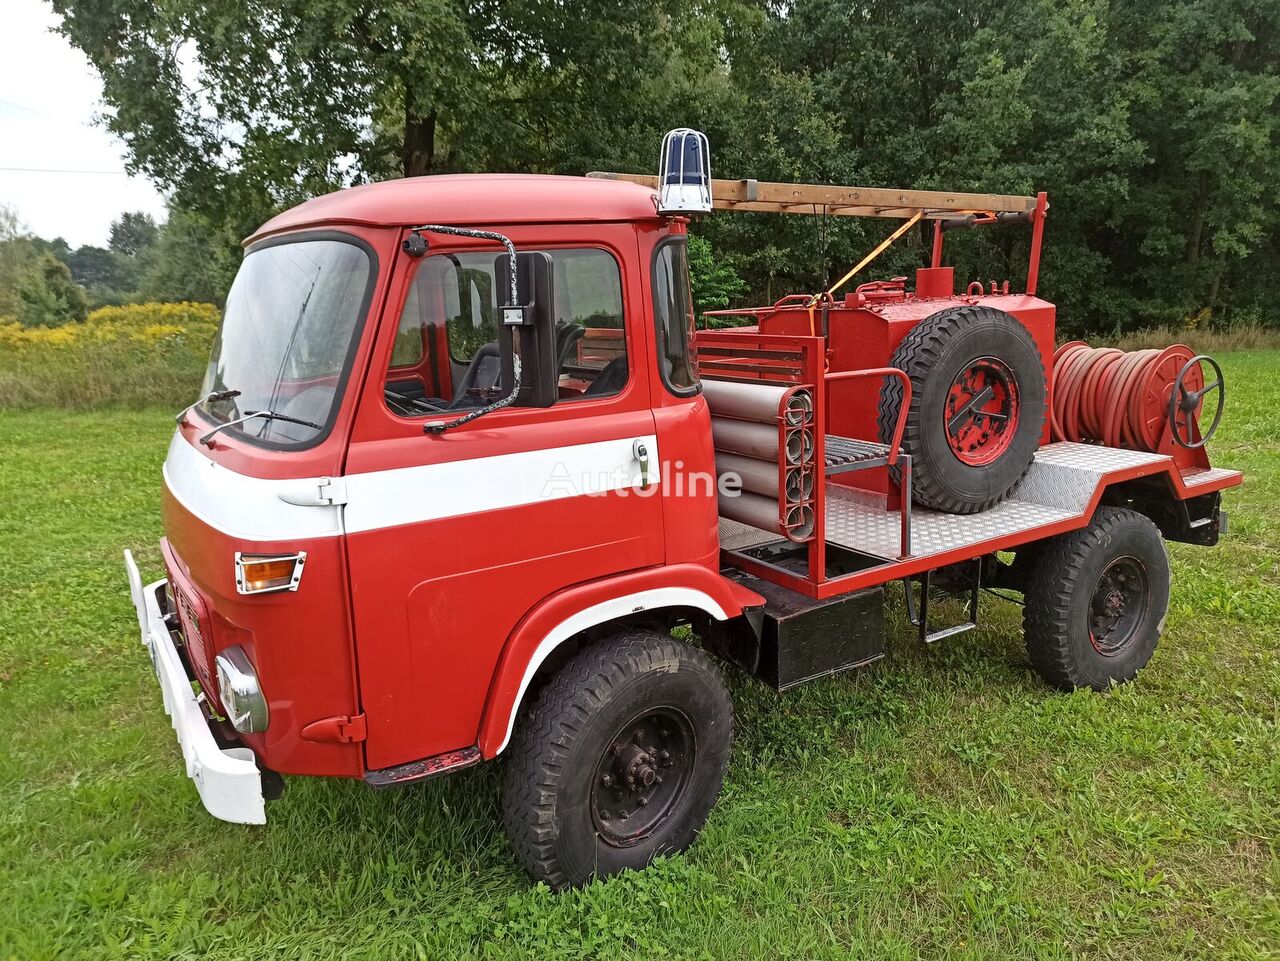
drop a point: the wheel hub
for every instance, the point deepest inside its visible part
(1117, 606)
(982, 411)
(642, 776)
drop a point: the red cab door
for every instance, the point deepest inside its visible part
(454, 537)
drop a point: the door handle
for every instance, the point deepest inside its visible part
(640, 451)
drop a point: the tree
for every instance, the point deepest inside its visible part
(195, 259)
(102, 271)
(47, 295)
(293, 97)
(134, 232)
(16, 255)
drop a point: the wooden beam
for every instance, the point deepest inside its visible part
(843, 201)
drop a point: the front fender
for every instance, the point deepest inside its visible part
(573, 610)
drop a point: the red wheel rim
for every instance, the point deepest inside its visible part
(982, 411)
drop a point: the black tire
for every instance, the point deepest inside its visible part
(1076, 636)
(938, 351)
(564, 822)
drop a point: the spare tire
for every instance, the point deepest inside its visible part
(977, 407)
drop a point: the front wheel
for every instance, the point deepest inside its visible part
(620, 759)
(1096, 600)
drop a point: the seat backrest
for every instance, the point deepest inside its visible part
(483, 371)
(567, 337)
(611, 379)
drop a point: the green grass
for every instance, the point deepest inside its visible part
(941, 803)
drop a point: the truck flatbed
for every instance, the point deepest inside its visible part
(1059, 494)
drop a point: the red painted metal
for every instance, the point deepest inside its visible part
(900, 425)
(988, 433)
(300, 643)
(1037, 238)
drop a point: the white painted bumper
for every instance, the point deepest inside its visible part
(228, 779)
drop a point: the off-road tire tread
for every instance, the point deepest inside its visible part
(561, 708)
(917, 354)
(1046, 616)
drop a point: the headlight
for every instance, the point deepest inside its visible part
(239, 691)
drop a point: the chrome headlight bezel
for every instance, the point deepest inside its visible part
(240, 693)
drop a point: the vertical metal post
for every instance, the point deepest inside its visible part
(814, 353)
(937, 244)
(904, 475)
(1037, 234)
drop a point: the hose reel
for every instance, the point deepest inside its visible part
(1139, 400)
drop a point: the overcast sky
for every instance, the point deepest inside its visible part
(49, 96)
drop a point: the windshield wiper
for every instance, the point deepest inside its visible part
(210, 398)
(207, 439)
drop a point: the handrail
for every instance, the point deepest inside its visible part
(901, 425)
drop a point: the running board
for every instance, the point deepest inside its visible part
(921, 619)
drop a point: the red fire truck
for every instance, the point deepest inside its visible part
(463, 462)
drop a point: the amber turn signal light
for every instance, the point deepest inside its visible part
(266, 573)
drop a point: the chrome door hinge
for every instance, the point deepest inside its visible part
(327, 492)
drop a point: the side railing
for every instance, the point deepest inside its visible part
(779, 360)
(892, 455)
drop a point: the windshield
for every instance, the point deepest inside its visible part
(286, 339)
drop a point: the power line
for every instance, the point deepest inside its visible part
(54, 170)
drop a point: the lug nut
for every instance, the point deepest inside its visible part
(644, 801)
(607, 780)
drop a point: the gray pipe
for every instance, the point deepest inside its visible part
(756, 440)
(761, 476)
(761, 403)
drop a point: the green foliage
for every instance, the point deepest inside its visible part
(714, 280)
(47, 295)
(194, 259)
(293, 98)
(1153, 125)
(134, 233)
(940, 804)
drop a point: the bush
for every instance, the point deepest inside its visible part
(131, 356)
(47, 294)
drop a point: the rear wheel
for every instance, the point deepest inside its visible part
(1096, 601)
(620, 759)
(977, 406)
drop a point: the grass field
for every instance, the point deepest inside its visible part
(941, 803)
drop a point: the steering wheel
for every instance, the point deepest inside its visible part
(1188, 402)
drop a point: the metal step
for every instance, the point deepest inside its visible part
(921, 619)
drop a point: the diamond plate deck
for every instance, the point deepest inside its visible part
(1210, 476)
(1059, 485)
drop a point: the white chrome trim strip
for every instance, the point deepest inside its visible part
(412, 495)
(656, 599)
(228, 780)
(261, 509)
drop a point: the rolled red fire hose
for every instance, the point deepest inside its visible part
(1121, 399)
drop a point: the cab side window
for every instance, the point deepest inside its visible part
(673, 317)
(446, 350)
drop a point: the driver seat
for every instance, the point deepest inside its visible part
(483, 372)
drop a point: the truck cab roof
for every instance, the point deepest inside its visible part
(470, 199)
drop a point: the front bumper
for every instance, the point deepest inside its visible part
(228, 779)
